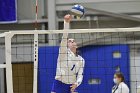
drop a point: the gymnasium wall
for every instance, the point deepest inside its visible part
(26, 17)
(133, 74)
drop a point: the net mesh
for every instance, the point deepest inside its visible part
(104, 52)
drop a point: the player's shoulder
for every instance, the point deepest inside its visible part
(122, 84)
(81, 58)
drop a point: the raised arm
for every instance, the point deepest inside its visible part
(63, 48)
(63, 44)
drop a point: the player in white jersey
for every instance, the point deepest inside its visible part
(70, 65)
(120, 86)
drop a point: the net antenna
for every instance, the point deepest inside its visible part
(35, 51)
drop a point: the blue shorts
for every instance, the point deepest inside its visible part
(60, 87)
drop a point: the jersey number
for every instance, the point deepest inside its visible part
(72, 67)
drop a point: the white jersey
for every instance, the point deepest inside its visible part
(121, 88)
(69, 66)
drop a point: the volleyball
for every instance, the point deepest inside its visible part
(78, 10)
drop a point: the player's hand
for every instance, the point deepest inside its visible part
(73, 87)
(67, 18)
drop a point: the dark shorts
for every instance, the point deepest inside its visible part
(60, 87)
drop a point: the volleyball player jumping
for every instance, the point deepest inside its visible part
(70, 65)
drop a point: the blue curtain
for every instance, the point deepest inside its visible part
(8, 11)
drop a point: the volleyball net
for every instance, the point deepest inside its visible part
(29, 58)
